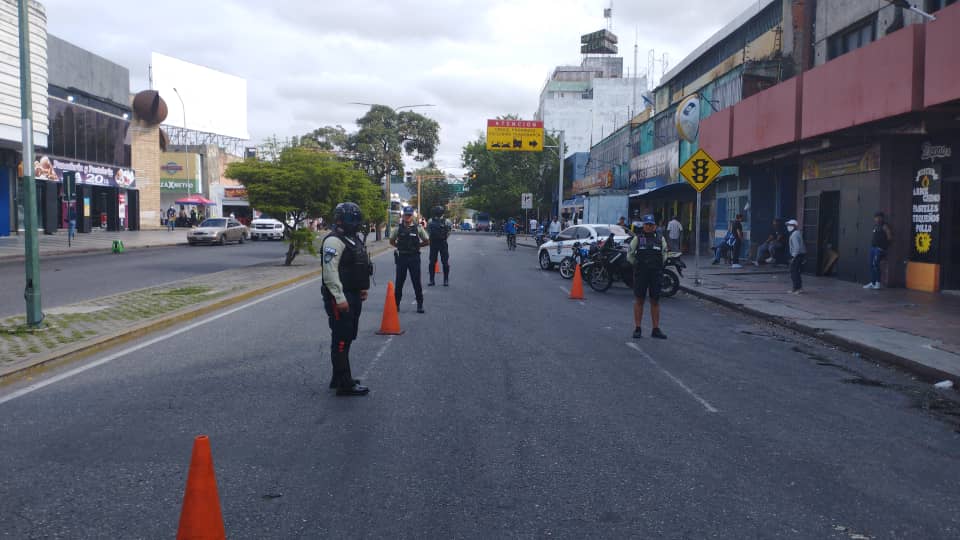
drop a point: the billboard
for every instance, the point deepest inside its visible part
(180, 171)
(215, 102)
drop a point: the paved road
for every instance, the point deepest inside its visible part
(68, 279)
(505, 411)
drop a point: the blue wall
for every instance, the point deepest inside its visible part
(4, 201)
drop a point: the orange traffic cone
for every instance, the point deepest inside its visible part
(576, 291)
(390, 325)
(200, 517)
(436, 267)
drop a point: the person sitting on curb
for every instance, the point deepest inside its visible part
(772, 246)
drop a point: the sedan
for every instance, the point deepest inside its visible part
(552, 252)
(218, 231)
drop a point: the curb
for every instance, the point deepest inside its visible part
(85, 251)
(78, 351)
(925, 372)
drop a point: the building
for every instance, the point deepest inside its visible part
(11, 195)
(867, 122)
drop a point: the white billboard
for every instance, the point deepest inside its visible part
(215, 102)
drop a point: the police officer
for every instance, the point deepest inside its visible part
(408, 238)
(346, 279)
(439, 230)
(648, 253)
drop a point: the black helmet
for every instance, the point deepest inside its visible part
(438, 211)
(348, 216)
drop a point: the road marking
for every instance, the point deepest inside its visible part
(706, 404)
(119, 354)
(373, 363)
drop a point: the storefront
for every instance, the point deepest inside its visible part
(180, 174)
(935, 218)
(235, 202)
(106, 196)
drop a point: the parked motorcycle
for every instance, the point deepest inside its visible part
(610, 264)
(568, 265)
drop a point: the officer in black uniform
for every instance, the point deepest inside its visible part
(648, 253)
(408, 238)
(346, 279)
(439, 230)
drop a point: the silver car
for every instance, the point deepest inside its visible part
(218, 231)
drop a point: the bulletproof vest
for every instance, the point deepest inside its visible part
(649, 250)
(354, 263)
(437, 229)
(408, 241)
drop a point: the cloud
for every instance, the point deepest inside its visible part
(305, 61)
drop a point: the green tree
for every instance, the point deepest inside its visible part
(433, 188)
(301, 184)
(498, 178)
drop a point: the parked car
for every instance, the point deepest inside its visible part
(552, 252)
(465, 226)
(218, 231)
(266, 228)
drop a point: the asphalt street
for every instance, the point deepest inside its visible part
(506, 411)
(66, 279)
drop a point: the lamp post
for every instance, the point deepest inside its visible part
(186, 158)
(31, 292)
(387, 181)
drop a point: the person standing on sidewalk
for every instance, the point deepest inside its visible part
(554, 228)
(408, 238)
(737, 242)
(674, 230)
(798, 255)
(346, 280)
(647, 254)
(879, 244)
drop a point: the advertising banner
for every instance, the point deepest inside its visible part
(91, 174)
(599, 180)
(926, 203)
(180, 172)
(656, 168)
(841, 163)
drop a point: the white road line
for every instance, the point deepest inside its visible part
(119, 354)
(373, 363)
(706, 404)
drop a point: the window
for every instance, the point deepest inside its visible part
(81, 133)
(859, 35)
(665, 129)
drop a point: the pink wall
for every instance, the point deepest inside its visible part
(880, 80)
(942, 76)
(767, 119)
(715, 134)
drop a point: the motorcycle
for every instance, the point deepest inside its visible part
(611, 264)
(540, 238)
(671, 279)
(579, 256)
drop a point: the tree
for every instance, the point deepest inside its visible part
(301, 184)
(497, 178)
(433, 188)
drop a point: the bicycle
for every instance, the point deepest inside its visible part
(511, 242)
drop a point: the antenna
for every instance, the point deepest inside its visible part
(608, 15)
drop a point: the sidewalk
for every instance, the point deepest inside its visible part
(11, 247)
(918, 330)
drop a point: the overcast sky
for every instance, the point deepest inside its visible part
(305, 60)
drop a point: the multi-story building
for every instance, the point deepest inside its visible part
(868, 122)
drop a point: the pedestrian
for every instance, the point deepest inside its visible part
(647, 254)
(622, 222)
(171, 218)
(674, 230)
(346, 280)
(439, 230)
(554, 228)
(879, 244)
(193, 216)
(798, 255)
(737, 242)
(408, 238)
(772, 246)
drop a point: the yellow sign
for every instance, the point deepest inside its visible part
(700, 170)
(515, 135)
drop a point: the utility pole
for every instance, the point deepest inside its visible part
(186, 158)
(31, 293)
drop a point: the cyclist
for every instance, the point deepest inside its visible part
(511, 229)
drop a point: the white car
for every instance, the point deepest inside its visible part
(552, 252)
(266, 228)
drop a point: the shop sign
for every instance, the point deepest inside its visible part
(91, 174)
(656, 168)
(235, 193)
(841, 163)
(926, 214)
(182, 186)
(600, 180)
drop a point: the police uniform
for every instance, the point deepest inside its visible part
(439, 230)
(648, 252)
(407, 239)
(346, 274)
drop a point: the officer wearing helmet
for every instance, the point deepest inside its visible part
(346, 279)
(408, 238)
(439, 230)
(648, 253)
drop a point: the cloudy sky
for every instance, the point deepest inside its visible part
(305, 60)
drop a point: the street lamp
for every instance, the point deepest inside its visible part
(186, 158)
(387, 181)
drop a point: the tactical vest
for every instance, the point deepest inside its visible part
(437, 229)
(408, 239)
(649, 252)
(354, 265)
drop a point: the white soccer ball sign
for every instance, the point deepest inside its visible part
(688, 118)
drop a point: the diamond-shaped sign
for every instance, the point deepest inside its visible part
(700, 170)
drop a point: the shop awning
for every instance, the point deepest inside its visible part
(195, 199)
(678, 191)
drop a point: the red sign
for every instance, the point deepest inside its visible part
(515, 123)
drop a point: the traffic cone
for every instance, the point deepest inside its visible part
(436, 267)
(576, 291)
(117, 246)
(390, 324)
(200, 517)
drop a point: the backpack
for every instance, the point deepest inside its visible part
(437, 230)
(730, 239)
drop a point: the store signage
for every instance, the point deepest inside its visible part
(599, 180)
(179, 185)
(235, 193)
(931, 153)
(91, 174)
(841, 163)
(171, 168)
(926, 214)
(655, 168)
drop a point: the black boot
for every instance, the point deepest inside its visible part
(335, 378)
(446, 280)
(347, 386)
(420, 307)
(432, 282)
